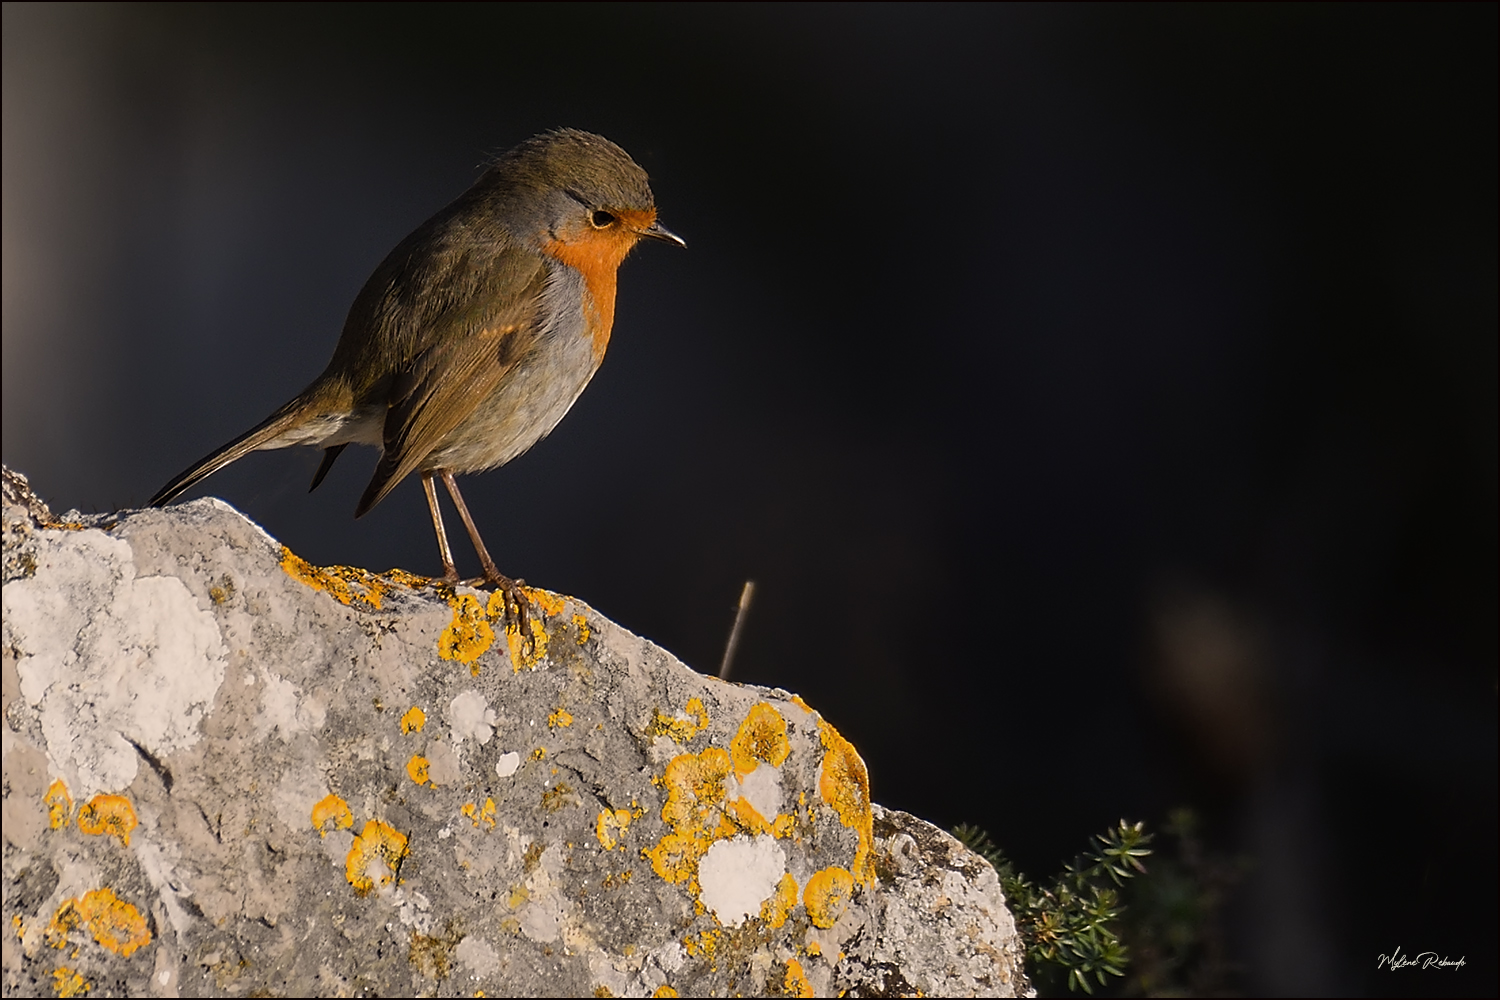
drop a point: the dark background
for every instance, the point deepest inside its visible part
(1102, 398)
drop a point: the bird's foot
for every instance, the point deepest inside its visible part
(517, 607)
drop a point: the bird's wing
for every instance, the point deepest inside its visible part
(465, 352)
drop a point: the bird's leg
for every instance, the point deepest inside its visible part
(492, 573)
(521, 618)
(450, 571)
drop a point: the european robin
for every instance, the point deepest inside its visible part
(474, 336)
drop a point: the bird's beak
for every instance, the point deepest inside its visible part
(657, 231)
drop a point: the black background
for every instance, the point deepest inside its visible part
(1102, 398)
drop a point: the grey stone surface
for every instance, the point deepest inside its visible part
(227, 772)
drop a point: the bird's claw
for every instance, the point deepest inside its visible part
(517, 612)
(517, 607)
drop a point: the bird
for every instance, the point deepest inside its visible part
(475, 335)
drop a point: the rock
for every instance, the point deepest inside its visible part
(228, 772)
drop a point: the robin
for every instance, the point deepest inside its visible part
(474, 336)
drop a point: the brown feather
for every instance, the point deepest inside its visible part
(441, 387)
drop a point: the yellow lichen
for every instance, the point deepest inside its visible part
(582, 624)
(664, 991)
(827, 895)
(114, 923)
(611, 826)
(538, 753)
(469, 635)
(413, 720)
(698, 809)
(111, 814)
(795, 983)
(68, 983)
(59, 804)
(761, 738)
(431, 955)
(375, 857)
(561, 717)
(481, 814)
(774, 911)
(557, 796)
(222, 591)
(416, 769)
(746, 815)
(550, 603)
(705, 944)
(680, 727)
(695, 789)
(331, 813)
(750, 819)
(845, 784)
(336, 580)
(406, 579)
(675, 857)
(694, 810)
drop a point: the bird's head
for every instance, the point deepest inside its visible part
(576, 197)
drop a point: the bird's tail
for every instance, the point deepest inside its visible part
(262, 435)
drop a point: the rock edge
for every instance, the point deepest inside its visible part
(227, 771)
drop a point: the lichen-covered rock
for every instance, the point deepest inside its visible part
(229, 772)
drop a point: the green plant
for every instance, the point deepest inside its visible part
(1068, 927)
(1175, 924)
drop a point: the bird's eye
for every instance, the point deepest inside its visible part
(601, 219)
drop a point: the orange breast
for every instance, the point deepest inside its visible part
(596, 254)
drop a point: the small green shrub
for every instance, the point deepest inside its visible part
(1068, 926)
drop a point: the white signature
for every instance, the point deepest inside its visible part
(1424, 960)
